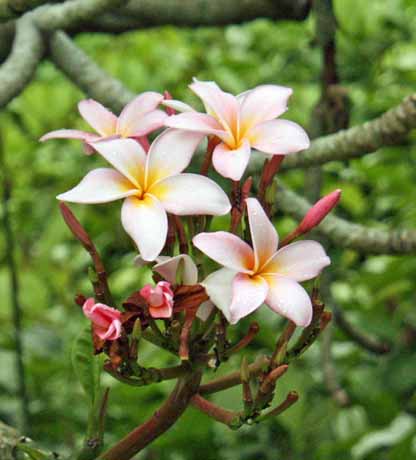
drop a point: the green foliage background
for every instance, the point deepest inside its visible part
(377, 64)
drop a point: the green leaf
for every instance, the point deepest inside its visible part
(87, 366)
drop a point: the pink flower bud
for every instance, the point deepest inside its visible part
(319, 211)
(159, 298)
(167, 96)
(106, 321)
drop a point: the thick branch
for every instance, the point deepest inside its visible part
(160, 422)
(70, 13)
(388, 129)
(86, 74)
(151, 13)
(348, 235)
(20, 66)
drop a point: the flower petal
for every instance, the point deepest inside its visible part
(205, 310)
(170, 153)
(226, 249)
(248, 295)
(263, 103)
(289, 299)
(198, 122)
(69, 134)
(223, 106)
(98, 117)
(278, 137)
(263, 233)
(300, 261)
(231, 163)
(129, 119)
(127, 156)
(179, 106)
(190, 194)
(219, 289)
(147, 224)
(168, 269)
(100, 186)
(147, 123)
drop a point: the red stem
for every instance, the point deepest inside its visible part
(159, 423)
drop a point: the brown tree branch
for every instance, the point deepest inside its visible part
(86, 74)
(159, 423)
(20, 66)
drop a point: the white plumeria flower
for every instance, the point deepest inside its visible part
(241, 123)
(151, 186)
(263, 274)
(168, 268)
(138, 118)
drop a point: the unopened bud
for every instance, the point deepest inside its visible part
(137, 330)
(319, 211)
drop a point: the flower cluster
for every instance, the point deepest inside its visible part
(149, 177)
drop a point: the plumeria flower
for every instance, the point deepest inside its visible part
(241, 123)
(263, 274)
(159, 298)
(106, 321)
(137, 119)
(168, 267)
(151, 186)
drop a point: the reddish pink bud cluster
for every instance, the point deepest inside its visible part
(106, 321)
(159, 298)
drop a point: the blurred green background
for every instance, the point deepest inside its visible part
(377, 64)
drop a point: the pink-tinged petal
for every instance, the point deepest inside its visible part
(223, 106)
(300, 261)
(231, 163)
(198, 122)
(179, 106)
(127, 156)
(69, 134)
(98, 117)
(289, 299)
(219, 289)
(226, 249)
(88, 306)
(168, 269)
(147, 124)
(129, 119)
(263, 103)
(278, 137)
(170, 153)
(161, 312)
(263, 234)
(248, 295)
(100, 185)
(191, 194)
(205, 310)
(147, 224)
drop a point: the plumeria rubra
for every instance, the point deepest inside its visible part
(138, 118)
(151, 185)
(262, 274)
(106, 321)
(181, 312)
(241, 123)
(159, 299)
